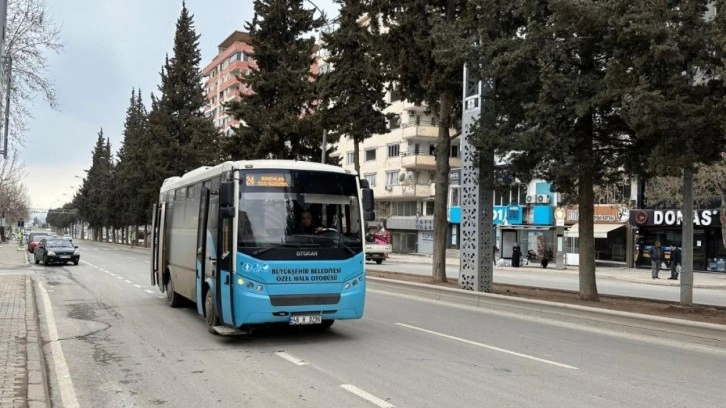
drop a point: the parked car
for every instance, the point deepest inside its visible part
(33, 240)
(56, 250)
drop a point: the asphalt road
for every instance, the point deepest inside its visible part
(569, 281)
(120, 345)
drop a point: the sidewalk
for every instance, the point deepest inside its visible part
(708, 280)
(22, 377)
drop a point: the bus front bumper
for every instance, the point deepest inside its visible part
(263, 308)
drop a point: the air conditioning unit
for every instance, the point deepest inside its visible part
(530, 199)
(389, 187)
(543, 199)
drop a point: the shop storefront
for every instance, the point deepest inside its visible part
(536, 236)
(665, 226)
(609, 230)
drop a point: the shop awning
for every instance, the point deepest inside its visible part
(601, 230)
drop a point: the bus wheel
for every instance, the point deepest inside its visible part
(209, 314)
(172, 298)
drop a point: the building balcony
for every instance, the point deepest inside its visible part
(425, 162)
(422, 132)
(400, 190)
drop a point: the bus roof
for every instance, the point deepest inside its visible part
(206, 172)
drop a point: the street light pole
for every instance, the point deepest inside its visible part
(324, 146)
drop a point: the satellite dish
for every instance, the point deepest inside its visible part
(411, 176)
(402, 177)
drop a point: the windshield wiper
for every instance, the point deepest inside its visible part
(339, 241)
(285, 245)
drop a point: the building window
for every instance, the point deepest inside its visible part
(350, 158)
(454, 150)
(371, 179)
(404, 208)
(394, 150)
(392, 178)
(370, 154)
(428, 208)
(395, 122)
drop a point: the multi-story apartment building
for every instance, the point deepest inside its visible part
(221, 78)
(399, 166)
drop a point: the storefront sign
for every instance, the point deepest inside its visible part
(455, 177)
(703, 218)
(508, 214)
(602, 214)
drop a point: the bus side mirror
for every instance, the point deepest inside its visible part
(368, 204)
(226, 194)
(368, 200)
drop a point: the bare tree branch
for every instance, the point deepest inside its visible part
(30, 35)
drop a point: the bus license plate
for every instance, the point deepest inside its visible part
(306, 319)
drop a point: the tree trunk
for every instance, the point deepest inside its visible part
(722, 214)
(586, 202)
(443, 149)
(687, 241)
(356, 156)
(146, 236)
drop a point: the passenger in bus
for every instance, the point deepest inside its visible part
(306, 224)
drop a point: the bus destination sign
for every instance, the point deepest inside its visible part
(266, 180)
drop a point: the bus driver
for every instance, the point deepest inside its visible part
(305, 226)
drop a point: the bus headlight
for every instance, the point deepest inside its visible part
(346, 286)
(240, 281)
(259, 288)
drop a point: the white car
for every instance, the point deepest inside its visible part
(68, 237)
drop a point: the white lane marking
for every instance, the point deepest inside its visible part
(291, 359)
(119, 277)
(486, 346)
(65, 383)
(87, 263)
(148, 291)
(147, 261)
(366, 396)
(138, 286)
(127, 281)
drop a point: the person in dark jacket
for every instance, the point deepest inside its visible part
(675, 262)
(656, 257)
(516, 255)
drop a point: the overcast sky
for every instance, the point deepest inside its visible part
(111, 47)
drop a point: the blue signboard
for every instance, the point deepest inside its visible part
(454, 215)
(543, 215)
(511, 213)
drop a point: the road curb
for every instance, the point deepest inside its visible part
(38, 388)
(706, 334)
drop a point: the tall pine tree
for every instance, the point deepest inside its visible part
(184, 138)
(97, 188)
(133, 166)
(352, 94)
(418, 43)
(277, 120)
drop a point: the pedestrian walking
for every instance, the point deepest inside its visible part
(675, 262)
(656, 257)
(516, 255)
